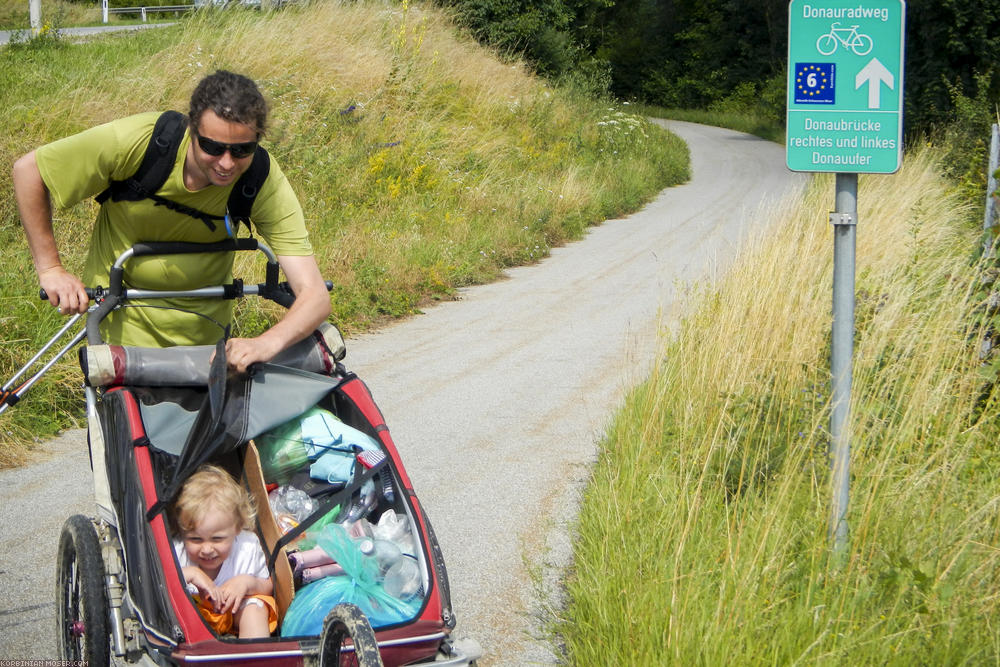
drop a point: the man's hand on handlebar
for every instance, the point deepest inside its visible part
(64, 290)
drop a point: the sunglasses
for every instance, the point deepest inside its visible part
(217, 148)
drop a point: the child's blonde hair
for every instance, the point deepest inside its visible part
(212, 487)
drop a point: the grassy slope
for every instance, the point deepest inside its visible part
(58, 14)
(423, 162)
(703, 535)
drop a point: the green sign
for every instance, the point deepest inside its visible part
(845, 86)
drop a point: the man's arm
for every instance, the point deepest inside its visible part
(63, 288)
(311, 307)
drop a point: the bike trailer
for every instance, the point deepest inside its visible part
(154, 416)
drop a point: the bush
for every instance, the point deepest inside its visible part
(965, 139)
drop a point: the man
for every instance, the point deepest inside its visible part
(227, 118)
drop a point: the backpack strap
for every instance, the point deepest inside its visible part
(158, 161)
(245, 191)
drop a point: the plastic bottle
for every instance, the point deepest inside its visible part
(384, 553)
(403, 579)
(360, 529)
(362, 505)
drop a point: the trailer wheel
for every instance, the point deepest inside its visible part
(82, 633)
(347, 622)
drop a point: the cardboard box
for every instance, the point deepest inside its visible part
(268, 530)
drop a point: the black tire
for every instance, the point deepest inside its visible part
(347, 622)
(81, 599)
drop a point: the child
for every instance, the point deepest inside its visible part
(222, 561)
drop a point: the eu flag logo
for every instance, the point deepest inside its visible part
(814, 83)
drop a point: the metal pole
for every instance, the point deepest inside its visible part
(44, 369)
(844, 220)
(35, 16)
(991, 182)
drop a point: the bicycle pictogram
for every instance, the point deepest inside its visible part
(859, 43)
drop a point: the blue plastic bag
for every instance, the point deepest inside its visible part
(357, 585)
(334, 467)
(322, 432)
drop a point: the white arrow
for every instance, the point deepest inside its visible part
(873, 74)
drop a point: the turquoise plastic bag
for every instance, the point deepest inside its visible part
(334, 467)
(322, 431)
(358, 586)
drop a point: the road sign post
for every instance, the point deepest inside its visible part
(845, 115)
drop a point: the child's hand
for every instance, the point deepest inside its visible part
(207, 589)
(232, 592)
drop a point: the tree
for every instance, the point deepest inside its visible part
(696, 53)
(538, 30)
(952, 47)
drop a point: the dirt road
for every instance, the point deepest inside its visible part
(497, 403)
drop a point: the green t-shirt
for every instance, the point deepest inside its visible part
(82, 166)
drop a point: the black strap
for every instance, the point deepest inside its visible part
(207, 218)
(327, 505)
(243, 194)
(158, 162)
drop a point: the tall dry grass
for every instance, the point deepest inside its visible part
(703, 537)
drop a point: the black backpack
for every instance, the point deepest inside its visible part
(158, 162)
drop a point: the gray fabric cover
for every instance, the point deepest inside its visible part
(167, 425)
(188, 366)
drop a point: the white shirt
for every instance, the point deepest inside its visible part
(246, 557)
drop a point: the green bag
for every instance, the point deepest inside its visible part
(282, 452)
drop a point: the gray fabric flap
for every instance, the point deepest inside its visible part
(167, 425)
(278, 393)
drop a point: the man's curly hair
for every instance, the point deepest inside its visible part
(232, 97)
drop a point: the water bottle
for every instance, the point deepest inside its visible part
(362, 505)
(383, 552)
(403, 580)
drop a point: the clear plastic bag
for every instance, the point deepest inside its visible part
(290, 506)
(396, 528)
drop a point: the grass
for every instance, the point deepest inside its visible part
(424, 162)
(702, 538)
(58, 14)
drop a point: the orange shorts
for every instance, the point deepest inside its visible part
(222, 623)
